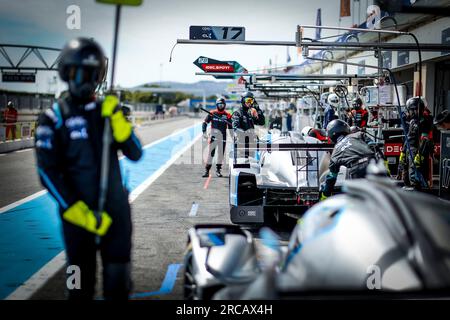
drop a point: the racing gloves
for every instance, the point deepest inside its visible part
(386, 165)
(323, 192)
(418, 160)
(120, 126)
(402, 159)
(80, 215)
(322, 196)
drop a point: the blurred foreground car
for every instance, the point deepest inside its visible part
(373, 240)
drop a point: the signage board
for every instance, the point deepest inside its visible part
(216, 33)
(212, 65)
(18, 77)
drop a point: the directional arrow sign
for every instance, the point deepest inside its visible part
(212, 65)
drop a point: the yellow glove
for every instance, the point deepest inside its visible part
(120, 126)
(386, 164)
(418, 160)
(80, 215)
(402, 157)
(322, 197)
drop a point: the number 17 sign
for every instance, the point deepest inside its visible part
(216, 33)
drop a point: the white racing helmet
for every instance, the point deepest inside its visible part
(333, 100)
(306, 130)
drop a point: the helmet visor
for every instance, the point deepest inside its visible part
(82, 75)
(249, 100)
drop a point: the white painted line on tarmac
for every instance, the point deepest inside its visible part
(23, 150)
(18, 203)
(27, 289)
(194, 210)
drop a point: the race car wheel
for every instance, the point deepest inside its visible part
(190, 287)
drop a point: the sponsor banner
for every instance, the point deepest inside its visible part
(393, 149)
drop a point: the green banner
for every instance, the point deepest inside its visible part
(122, 2)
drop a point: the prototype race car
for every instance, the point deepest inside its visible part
(281, 176)
(374, 239)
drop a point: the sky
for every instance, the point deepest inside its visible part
(148, 33)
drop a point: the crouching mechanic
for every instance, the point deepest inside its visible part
(69, 152)
(351, 151)
(220, 121)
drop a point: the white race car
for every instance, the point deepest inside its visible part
(281, 175)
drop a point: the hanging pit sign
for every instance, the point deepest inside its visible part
(216, 33)
(209, 65)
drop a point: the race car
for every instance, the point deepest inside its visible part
(374, 240)
(280, 176)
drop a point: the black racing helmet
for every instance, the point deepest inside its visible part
(220, 104)
(415, 106)
(357, 103)
(337, 128)
(247, 96)
(82, 65)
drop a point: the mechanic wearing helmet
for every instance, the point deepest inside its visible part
(245, 118)
(329, 112)
(319, 134)
(420, 141)
(360, 115)
(351, 151)
(248, 115)
(69, 153)
(10, 116)
(220, 121)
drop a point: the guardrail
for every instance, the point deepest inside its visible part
(17, 130)
(142, 119)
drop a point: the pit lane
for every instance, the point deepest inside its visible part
(27, 244)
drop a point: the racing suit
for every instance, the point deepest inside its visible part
(319, 134)
(68, 149)
(360, 118)
(352, 152)
(220, 122)
(243, 124)
(420, 141)
(328, 115)
(10, 117)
